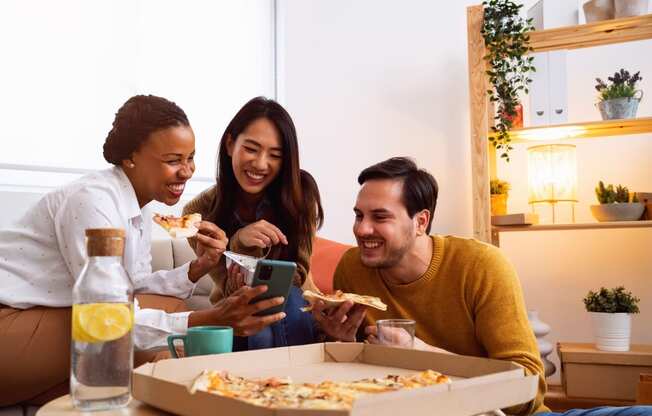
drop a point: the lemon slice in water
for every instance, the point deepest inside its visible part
(101, 322)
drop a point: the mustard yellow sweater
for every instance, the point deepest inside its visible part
(468, 302)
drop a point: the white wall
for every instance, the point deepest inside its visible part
(71, 64)
(367, 80)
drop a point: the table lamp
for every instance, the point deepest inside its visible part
(552, 175)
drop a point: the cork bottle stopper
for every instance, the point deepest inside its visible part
(109, 242)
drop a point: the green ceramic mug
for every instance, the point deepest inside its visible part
(202, 340)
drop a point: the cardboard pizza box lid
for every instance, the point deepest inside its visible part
(478, 385)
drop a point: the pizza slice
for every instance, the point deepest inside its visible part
(179, 227)
(338, 297)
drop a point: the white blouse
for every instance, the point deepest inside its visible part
(42, 255)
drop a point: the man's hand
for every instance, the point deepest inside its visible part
(211, 243)
(341, 323)
(235, 311)
(399, 338)
(396, 337)
(261, 234)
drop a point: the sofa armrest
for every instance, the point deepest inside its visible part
(162, 258)
(183, 253)
(325, 256)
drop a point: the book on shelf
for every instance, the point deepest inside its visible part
(523, 218)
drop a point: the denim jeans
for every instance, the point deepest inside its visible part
(298, 328)
(605, 411)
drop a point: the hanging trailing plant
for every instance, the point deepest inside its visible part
(506, 37)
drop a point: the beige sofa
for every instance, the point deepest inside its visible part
(168, 254)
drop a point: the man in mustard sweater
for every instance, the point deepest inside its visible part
(464, 295)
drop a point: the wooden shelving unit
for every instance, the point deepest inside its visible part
(483, 157)
(588, 130)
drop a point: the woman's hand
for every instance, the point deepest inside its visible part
(234, 279)
(211, 243)
(261, 234)
(235, 311)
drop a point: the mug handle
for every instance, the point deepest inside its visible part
(171, 339)
(641, 96)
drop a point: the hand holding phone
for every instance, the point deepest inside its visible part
(278, 276)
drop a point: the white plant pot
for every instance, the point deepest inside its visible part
(611, 330)
(626, 8)
(597, 10)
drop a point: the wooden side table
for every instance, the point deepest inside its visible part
(63, 407)
(557, 401)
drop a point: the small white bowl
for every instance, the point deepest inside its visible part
(618, 211)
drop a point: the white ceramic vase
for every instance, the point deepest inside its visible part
(612, 330)
(541, 329)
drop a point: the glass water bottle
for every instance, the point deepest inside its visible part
(102, 322)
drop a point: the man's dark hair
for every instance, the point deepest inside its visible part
(419, 187)
(139, 117)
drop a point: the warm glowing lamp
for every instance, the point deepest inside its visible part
(552, 175)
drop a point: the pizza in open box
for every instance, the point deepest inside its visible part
(282, 393)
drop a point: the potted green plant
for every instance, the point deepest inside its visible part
(611, 311)
(615, 204)
(499, 191)
(506, 38)
(618, 96)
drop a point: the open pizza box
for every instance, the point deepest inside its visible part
(479, 385)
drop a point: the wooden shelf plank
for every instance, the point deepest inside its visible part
(592, 129)
(593, 34)
(584, 226)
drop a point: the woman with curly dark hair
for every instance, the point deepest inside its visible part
(152, 147)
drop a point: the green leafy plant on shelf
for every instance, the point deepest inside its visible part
(506, 38)
(615, 300)
(498, 187)
(621, 85)
(608, 194)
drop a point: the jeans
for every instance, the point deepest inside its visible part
(298, 328)
(605, 411)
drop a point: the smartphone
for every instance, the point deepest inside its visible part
(278, 276)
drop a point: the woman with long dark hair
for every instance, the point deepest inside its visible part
(267, 206)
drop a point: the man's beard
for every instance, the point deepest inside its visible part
(394, 256)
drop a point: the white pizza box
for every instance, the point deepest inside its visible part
(479, 384)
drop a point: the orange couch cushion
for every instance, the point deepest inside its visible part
(325, 256)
